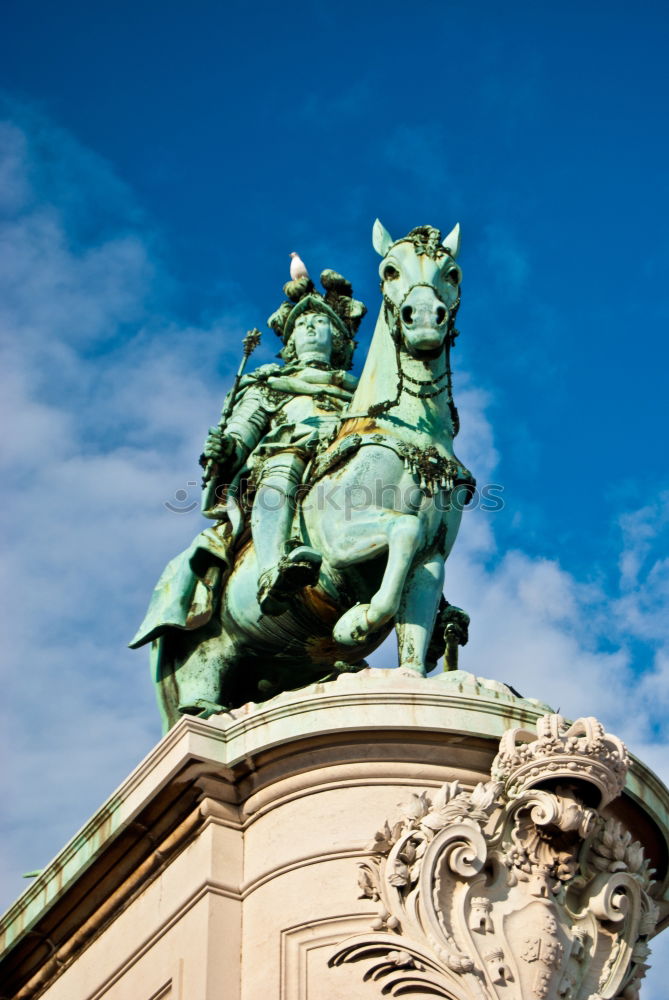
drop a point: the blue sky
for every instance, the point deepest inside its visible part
(541, 129)
(158, 163)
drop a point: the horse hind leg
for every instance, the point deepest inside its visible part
(403, 537)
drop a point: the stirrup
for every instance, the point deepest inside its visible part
(294, 571)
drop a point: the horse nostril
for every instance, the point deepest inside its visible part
(441, 315)
(407, 315)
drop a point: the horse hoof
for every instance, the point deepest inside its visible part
(353, 627)
(201, 708)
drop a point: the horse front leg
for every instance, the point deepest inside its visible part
(402, 536)
(417, 613)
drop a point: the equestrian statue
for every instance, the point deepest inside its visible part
(334, 502)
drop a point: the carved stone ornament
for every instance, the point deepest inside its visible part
(518, 889)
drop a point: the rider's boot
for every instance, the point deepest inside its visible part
(285, 566)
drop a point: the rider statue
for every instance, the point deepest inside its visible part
(280, 415)
(255, 461)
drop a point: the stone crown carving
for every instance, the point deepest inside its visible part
(578, 752)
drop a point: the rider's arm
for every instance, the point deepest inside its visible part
(230, 443)
(248, 423)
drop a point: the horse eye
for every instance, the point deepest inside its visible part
(390, 273)
(453, 275)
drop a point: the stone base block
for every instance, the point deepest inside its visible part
(228, 865)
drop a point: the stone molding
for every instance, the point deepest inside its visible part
(518, 889)
(297, 941)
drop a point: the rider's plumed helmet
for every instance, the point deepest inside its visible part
(338, 304)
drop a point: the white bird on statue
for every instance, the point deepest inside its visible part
(298, 268)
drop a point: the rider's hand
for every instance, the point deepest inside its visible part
(343, 380)
(219, 447)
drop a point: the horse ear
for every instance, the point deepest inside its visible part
(452, 241)
(381, 239)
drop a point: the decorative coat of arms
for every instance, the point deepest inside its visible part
(518, 889)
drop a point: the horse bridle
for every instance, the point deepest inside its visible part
(393, 312)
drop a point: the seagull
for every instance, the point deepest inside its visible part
(297, 267)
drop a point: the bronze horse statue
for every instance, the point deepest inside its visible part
(381, 503)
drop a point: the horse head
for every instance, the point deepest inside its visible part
(420, 283)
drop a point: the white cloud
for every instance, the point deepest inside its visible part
(582, 646)
(108, 407)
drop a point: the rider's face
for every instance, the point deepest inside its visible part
(312, 336)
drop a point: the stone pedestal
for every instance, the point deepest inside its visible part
(228, 864)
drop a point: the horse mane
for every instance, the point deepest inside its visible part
(427, 240)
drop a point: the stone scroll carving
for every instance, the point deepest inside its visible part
(518, 889)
